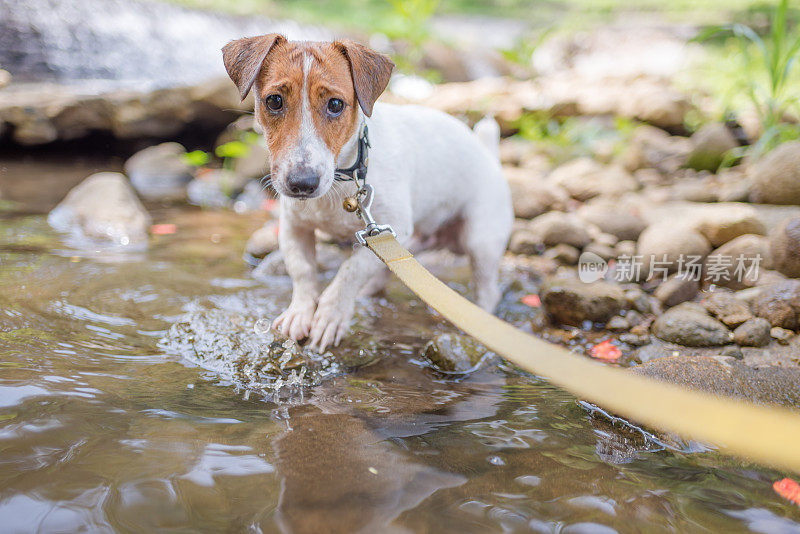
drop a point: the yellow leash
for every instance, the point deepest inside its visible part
(766, 435)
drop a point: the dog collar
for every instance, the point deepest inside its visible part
(357, 172)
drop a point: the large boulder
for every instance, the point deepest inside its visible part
(584, 178)
(776, 178)
(709, 145)
(784, 246)
(160, 171)
(531, 195)
(572, 302)
(558, 227)
(103, 208)
(673, 241)
(688, 326)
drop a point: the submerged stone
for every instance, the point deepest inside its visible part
(454, 353)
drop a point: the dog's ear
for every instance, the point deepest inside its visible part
(244, 58)
(370, 69)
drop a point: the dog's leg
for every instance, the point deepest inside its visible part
(298, 246)
(337, 302)
(484, 240)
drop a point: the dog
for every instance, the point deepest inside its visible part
(435, 181)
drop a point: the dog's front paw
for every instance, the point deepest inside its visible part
(330, 324)
(296, 321)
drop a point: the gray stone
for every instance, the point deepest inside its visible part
(690, 328)
(215, 188)
(572, 302)
(673, 241)
(454, 353)
(721, 223)
(565, 254)
(709, 145)
(752, 333)
(776, 178)
(750, 250)
(584, 178)
(557, 227)
(623, 224)
(531, 195)
(784, 246)
(160, 171)
(778, 303)
(103, 208)
(727, 308)
(677, 289)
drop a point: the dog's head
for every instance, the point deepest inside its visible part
(307, 96)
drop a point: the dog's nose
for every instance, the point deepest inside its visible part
(303, 182)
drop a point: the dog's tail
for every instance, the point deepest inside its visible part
(488, 131)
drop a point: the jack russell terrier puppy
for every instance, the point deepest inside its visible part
(434, 180)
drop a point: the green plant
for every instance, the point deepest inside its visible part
(409, 22)
(524, 47)
(763, 72)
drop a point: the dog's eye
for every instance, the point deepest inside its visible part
(274, 102)
(335, 106)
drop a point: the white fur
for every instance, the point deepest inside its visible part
(428, 170)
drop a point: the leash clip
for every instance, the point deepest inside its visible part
(364, 199)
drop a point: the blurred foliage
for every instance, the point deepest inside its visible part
(759, 72)
(565, 138)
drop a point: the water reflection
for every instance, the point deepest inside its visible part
(101, 431)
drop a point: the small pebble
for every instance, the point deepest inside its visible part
(783, 335)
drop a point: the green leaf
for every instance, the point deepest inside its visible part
(232, 149)
(196, 158)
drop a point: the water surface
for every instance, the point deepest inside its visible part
(103, 430)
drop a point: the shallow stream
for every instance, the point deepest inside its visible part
(103, 428)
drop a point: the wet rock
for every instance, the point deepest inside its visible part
(454, 353)
(263, 241)
(727, 308)
(709, 145)
(557, 227)
(729, 378)
(748, 249)
(531, 195)
(160, 171)
(723, 222)
(584, 178)
(687, 326)
(779, 303)
(752, 333)
(564, 254)
(671, 241)
(776, 178)
(732, 351)
(103, 208)
(784, 246)
(215, 188)
(781, 335)
(623, 224)
(572, 302)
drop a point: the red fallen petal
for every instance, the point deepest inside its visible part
(788, 489)
(605, 350)
(163, 229)
(532, 300)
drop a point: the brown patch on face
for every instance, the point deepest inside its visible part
(328, 77)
